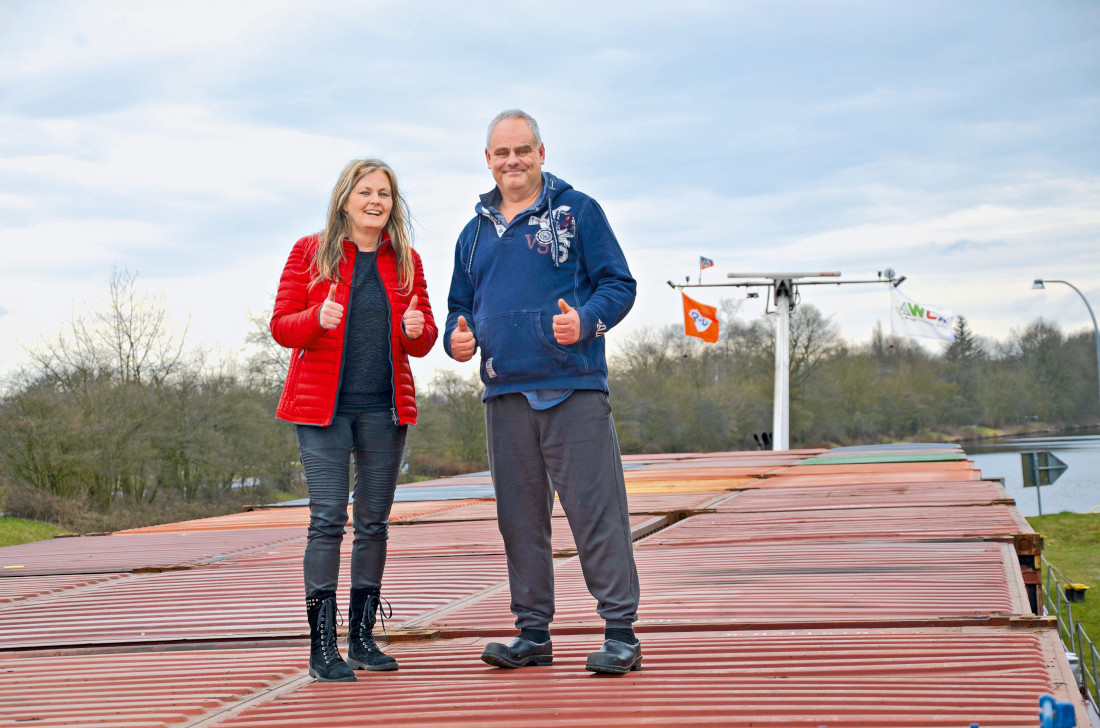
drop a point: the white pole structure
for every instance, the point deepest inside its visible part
(781, 408)
(784, 290)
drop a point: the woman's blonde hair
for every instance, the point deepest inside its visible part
(330, 251)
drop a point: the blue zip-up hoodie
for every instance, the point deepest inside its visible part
(507, 281)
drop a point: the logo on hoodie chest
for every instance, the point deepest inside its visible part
(557, 224)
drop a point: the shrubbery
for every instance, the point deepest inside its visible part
(118, 425)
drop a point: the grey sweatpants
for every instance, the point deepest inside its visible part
(570, 448)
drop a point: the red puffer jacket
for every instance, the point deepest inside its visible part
(309, 395)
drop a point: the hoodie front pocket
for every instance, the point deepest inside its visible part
(513, 345)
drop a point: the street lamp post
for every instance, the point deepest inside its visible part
(1038, 285)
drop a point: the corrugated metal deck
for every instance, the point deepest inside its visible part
(137, 551)
(810, 479)
(947, 468)
(229, 601)
(290, 517)
(27, 587)
(837, 678)
(865, 495)
(764, 585)
(640, 503)
(137, 690)
(483, 537)
(874, 586)
(993, 522)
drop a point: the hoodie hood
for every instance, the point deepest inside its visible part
(545, 207)
(552, 188)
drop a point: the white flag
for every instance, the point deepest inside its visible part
(919, 319)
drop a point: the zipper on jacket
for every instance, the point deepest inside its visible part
(389, 327)
(344, 338)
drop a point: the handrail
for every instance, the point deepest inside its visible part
(1073, 637)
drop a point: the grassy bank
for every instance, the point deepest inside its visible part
(1071, 545)
(15, 531)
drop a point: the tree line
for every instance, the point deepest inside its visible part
(117, 423)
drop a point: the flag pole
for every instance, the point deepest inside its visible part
(785, 290)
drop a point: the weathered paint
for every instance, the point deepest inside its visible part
(865, 495)
(800, 614)
(738, 586)
(837, 678)
(996, 522)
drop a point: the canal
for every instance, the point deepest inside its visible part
(1077, 490)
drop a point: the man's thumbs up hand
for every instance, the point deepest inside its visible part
(331, 312)
(463, 342)
(567, 324)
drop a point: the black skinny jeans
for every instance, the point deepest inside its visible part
(376, 444)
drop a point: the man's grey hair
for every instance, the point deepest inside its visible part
(514, 114)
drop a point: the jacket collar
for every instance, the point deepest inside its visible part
(350, 246)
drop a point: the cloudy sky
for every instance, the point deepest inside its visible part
(193, 142)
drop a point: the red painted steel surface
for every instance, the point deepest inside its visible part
(836, 678)
(891, 449)
(133, 551)
(288, 517)
(451, 481)
(238, 600)
(948, 468)
(700, 476)
(782, 480)
(134, 690)
(743, 585)
(85, 648)
(472, 537)
(28, 587)
(866, 495)
(993, 521)
(640, 503)
(761, 462)
(777, 456)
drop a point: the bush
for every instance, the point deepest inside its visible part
(435, 467)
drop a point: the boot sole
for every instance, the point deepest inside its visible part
(613, 669)
(387, 667)
(313, 674)
(532, 661)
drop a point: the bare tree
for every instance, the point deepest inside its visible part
(267, 361)
(132, 340)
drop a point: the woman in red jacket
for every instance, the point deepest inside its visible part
(352, 303)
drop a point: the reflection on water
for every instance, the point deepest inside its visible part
(1077, 490)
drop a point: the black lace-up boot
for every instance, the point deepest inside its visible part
(363, 653)
(325, 662)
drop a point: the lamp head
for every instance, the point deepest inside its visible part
(1038, 285)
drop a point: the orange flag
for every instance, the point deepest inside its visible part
(700, 320)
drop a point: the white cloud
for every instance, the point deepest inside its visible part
(194, 141)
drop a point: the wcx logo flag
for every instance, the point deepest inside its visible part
(705, 263)
(700, 320)
(919, 319)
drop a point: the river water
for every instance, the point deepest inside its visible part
(1078, 488)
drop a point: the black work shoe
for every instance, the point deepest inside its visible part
(615, 658)
(518, 653)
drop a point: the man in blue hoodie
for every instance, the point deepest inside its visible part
(539, 278)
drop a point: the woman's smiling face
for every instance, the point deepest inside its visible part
(368, 207)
